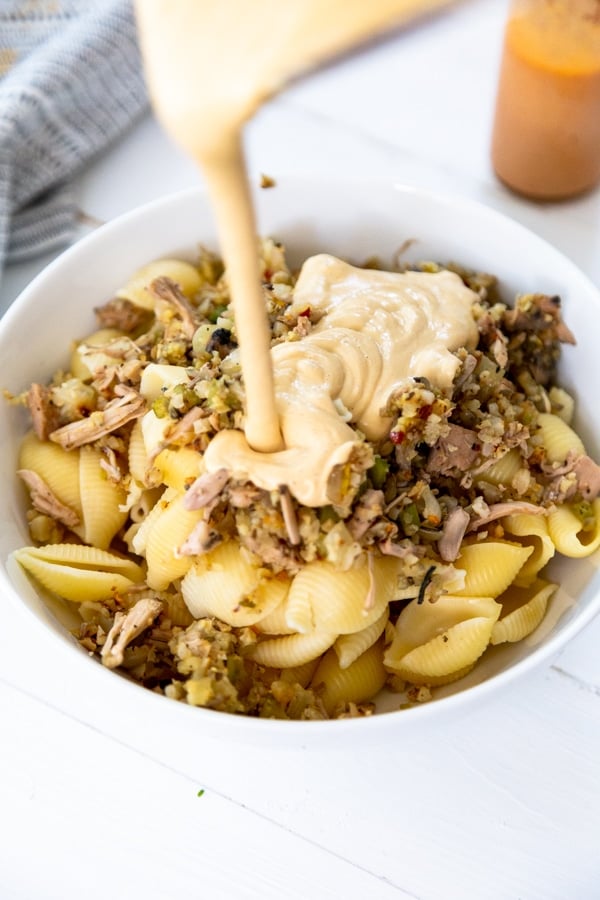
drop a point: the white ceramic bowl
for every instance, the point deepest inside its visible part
(352, 219)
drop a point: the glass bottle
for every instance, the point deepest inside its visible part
(546, 135)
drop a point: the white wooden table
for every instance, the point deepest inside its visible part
(501, 802)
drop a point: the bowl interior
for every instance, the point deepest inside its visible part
(354, 220)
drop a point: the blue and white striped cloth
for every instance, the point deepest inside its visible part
(70, 83)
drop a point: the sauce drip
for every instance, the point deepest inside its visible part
(209, 67)
(375, 332)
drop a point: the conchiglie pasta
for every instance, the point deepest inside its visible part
(532, 531)
(141, 468)
(158, 378)
(101, 500)
(300, 674)
(88, 357)
(182, 273)
(568, 533)
(140, 538)
(490, 566)
(438, 642)
(563, 403)
(77, 572)
(57, 467)
(275, 622)
(141, 508)
(503, 470)
(77, 480)
(357, 683)
(522, 611)
(169, 529)
(323, 598)
(179, 467)
(558, 438)
(224, 584)
(291, 650)
(349, 647)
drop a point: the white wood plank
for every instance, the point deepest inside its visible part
(86, 817)
(515, 779)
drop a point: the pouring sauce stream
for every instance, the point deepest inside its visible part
(209, 67)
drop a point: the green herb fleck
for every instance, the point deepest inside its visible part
(378, 472)
(409, 516)
(200, 792)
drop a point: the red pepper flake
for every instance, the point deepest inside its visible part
(305, 312)
(425, 411)
(397, 437)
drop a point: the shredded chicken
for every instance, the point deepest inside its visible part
(170, 292)
(205, 489)
(500, 510)
(116, 413)
(44, 414)
(126, 627)
(289, 515)
(454, 452)
(587, 473)
(453, 533)
(122, 314)
(45, 501)
(368, 508)
(201, 539)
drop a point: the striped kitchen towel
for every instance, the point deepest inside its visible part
(70, 83)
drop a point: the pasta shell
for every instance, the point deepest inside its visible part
(59, 468)
(490, 566)
(300, 674)
(140, 539)
(522, 611)
(158, 378)
(140, 468)
(100, 501)
(416, 679)
(299, 607)
(563, 403)
(357, 683)
(183, 273)
(324, 599)
(224, 584)
(291, 650)
(77, 572)
(83, 365)
(532, 531)
(145, 503)
(558, 438)
(503, 470)
(567, 533)
(275, 622)
(179, 468)
(349, 647)
(449, 655)
(169, 529)
(438, 640)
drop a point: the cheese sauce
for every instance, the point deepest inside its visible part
(375, 332)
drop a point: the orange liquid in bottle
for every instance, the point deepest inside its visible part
(546, 137)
